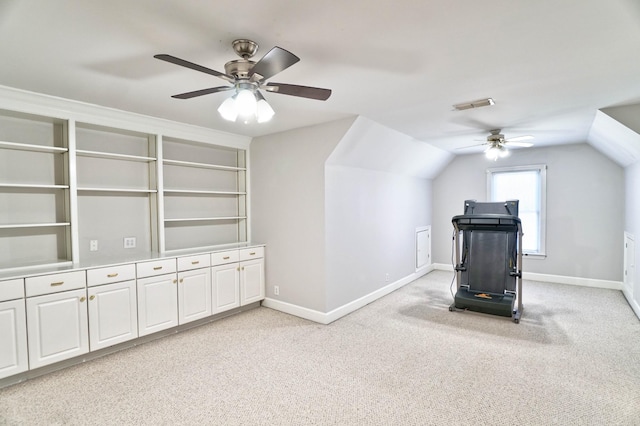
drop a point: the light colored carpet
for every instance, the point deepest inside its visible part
(402, 360)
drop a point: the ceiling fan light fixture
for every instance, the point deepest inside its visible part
(474, 104)
(496, 151)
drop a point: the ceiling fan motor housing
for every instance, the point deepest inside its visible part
(495, 138)
(239, 68)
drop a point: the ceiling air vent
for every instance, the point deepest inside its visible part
(475, 104)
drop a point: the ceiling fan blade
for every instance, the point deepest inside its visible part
(522, 144)
(275, 60)
(472, 146)
(202, 92)
(191, 65)
(301, 91)
(520, 138)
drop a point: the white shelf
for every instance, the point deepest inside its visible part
(34, 225)
(203, 192)
(205, 219)
(109, 155)
(202, 165)
(31, 147)
(32, 186)
(131, 190)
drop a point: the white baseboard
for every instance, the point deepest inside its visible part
(634, 305)
(562, 279)
(559, 279)
(331, 316)
(443, 267)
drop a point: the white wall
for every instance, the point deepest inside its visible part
(585, 208)
(632, 219)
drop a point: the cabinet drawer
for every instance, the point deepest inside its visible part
(11, 289)
(54, 283)
(194, 262)
(111, 274)
(251, 253)
(157, 267)
(220, 258)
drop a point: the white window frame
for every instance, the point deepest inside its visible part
(542, 172)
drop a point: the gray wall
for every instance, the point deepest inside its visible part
(585, 208)
(335, 231)
(371, 220)
(287, 209)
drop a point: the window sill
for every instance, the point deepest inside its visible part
(535, 255)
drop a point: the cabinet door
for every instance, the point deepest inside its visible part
(251, 281)
(112, 314)
(57, 326)
(194, 295)
(157, 303)
(13, 335)
(226, 287)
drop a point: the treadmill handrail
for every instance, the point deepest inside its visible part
(501, 222)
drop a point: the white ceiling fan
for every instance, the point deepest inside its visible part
(497, 144)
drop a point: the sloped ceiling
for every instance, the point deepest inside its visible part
(549, 65)
(615, 133)
(369, 145)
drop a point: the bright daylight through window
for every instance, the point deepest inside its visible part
(527, 184)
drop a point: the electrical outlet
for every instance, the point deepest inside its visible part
(276, 290)
(93, 245)
(386, 277)
(129, 242)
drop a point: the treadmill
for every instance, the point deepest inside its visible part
(488, 261)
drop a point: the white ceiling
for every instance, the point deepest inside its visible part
(548, 64)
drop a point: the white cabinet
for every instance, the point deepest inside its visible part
(226, 287)
(13, 329)
(157, 296)
(194, 287)
(251, 275)
(57, 327)
(13, 335)
(112, 312)
(48, 318)
(157, 303)
(238, 278)
(251, 281)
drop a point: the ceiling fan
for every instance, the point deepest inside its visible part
(246, 78)
(497, 144)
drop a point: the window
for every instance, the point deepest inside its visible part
(529, 185)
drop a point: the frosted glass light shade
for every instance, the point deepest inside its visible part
(246, 104)
(228, 109)
(264, 111)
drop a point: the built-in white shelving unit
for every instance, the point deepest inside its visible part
(204, 194)
(72, 191)
(34, 191)
(116, 172)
